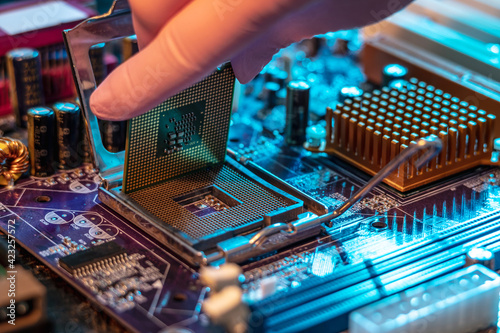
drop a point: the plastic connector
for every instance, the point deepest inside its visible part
(464, 301)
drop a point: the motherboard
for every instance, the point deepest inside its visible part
(418, 253)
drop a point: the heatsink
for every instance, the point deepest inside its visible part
(370, 130)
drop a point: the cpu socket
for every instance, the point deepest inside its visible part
(174, 180)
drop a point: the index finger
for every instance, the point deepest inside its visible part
(149, 16)
(191, 45)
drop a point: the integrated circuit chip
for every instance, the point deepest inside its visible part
(85, 261)
(185, 133)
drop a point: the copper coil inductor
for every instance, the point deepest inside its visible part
(14, 160)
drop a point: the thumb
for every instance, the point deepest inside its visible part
(190, 46)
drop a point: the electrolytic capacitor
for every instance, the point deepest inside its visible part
(280, 77)
(297, 112)
(399, 84)
(274, 74)
(311, 46)
(112, 132)
(68, 134)
(481, 256)
(83, 147)
(25, 77)
(130, 47)
(340, 47)
(84, 144)
(269, 73)
(41, 133)
(96, 54)
(270, 91)
(349, 93)
(113, 135)
(393, 72)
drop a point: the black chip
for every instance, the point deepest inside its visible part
(93, 255)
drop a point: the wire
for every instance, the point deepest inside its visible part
(430, 146)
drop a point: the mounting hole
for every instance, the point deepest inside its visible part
(43, 198)
(379, 225)
(180, 297)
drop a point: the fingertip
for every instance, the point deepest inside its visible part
(246, 69)
(94, 104)
(99, 108)
(244, 78)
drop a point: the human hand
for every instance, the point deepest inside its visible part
(182, 41)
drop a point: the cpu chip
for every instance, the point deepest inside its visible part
(185, 133)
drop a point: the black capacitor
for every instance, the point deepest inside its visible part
(340, 47)
(349, 93)
(68, 134)
(84, 143)
(25, 78)
(130, 47)
(271, 90)
(113, 134)
(96, 54)
(41, 134)
(297, 112)
(399, 84)
(274, 74)
(269, 73)
(393, 72)
(281, 77)
(311, 46)
(83, 147)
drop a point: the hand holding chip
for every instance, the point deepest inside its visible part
(182, 41)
